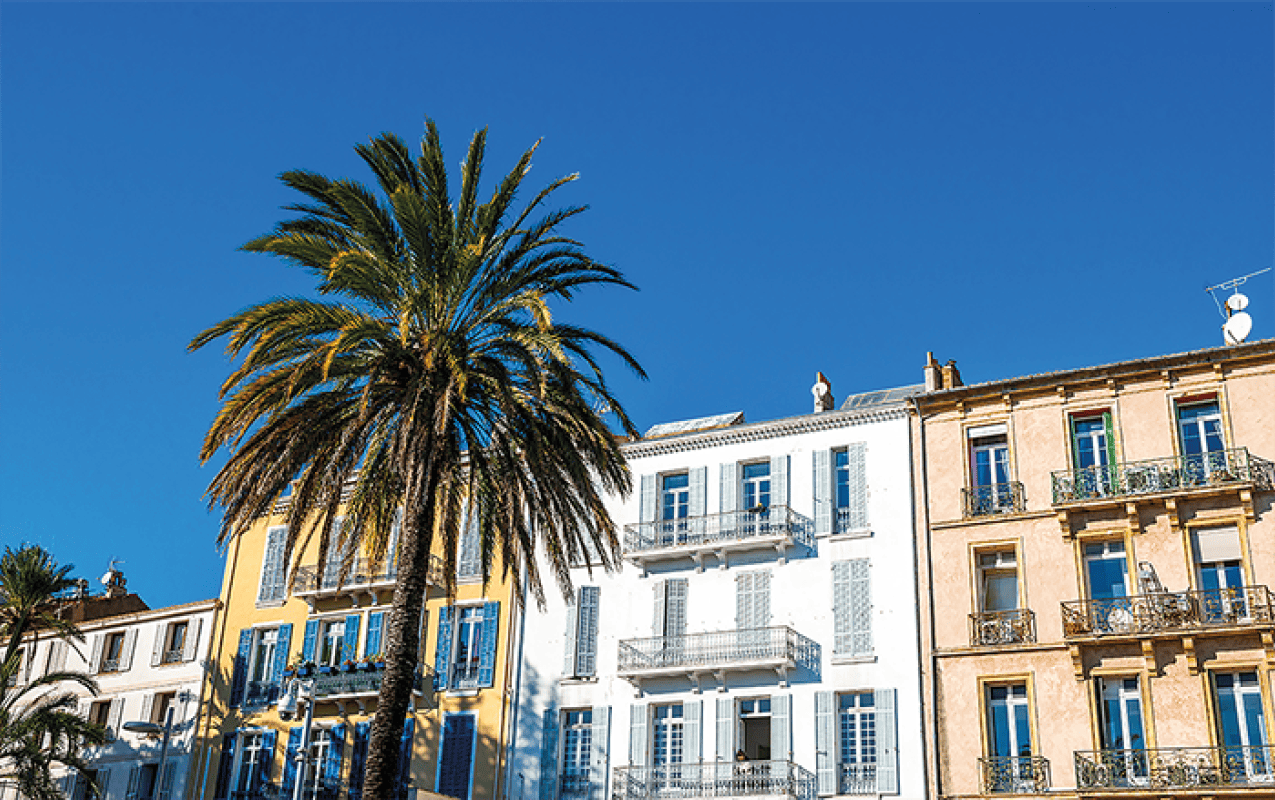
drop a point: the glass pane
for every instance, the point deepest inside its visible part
(1253, 719)
(1000, 592)
(1022, 730)
(1107, 578)
(1001, 746)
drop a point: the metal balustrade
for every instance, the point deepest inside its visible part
(1169, 611)
(1176, 768)
(857, 779)
(1003, 627)
(1014, 774)
(763, 647)
(578, 787)
(314, 579)
(718, 529)
(1154, 476)
(260, 693)
(363, 683)
(715, 779)
(110, 665)
(171, 656)
(994, 498)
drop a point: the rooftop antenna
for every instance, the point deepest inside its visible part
(1238, 323)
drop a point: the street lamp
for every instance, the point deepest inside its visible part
(287, 710)
(151, 729)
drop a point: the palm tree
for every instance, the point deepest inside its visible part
(39, 724)
(433, 379)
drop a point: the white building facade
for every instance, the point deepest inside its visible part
(146, 664)
(761, 638)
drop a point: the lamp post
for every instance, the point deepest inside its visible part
(287, 708)
(152, 729)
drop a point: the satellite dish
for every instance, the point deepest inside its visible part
(1237, 328)
(1237, 302)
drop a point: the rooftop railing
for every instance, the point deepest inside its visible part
(1014, 774)
(717, 529)
(1169, 611)
(992, 499)
(1173, 474)
(718, 649)
(314, 578)
(1176, 768)
(715, 779)
(989, 628)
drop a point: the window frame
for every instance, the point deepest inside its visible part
(237, 776)
(980, 572)
(174, 650)
(471, 680)
(676, 731)
(861, 714)
(755, 481)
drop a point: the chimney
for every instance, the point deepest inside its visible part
(951, 375)
(822, 390)
(933, 374)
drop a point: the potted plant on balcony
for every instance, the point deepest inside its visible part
(348, 665)
(376, 661)
(326, 669)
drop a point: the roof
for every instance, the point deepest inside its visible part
(880, 398)
(693, 425)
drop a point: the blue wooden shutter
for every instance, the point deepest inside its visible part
(781, 727)
(290, 762)
(443, 648)
(372, 644)
(224, 766)
(265, 759)
(887, 742)
(600, 744)
(457, 757)
(332, 767)
(350, 642)
(637, 735)
(587, 647)
(239, 678)
(283, 642)
(648, 507)
(693, 737)
(779, 480)
(697, 501)
(860, 608)
(825, 499)
(856, 455)
(487, 647)
(826, 755)
(358, 759)
(549, 755)
(405, 758)
(729, 496)
(307, 643)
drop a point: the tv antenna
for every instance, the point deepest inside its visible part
(1238, 323)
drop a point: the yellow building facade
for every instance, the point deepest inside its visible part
(1096, 551)
(326, 632)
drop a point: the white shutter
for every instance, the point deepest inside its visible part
(648, 508)
(725, 729)
(587, 643)
(826, 755)
(637, 735)
(95, 660)
(842, 641)
(780, 727)
(104, 782)
(697, 502)
(860, 608)
(692, 736)
(729, 497)
(126, 653)
(469, 560)
(148, 703)
(192, 639)
(858, 476)
(161, 638)
(887, 742)
(272, 566)
(571, 636)
(779, 480)
(114, 716)
(761, 604)
(659, 626)
(824, 498)
(744, 600)
(57, 658)
(600, 747)
(676, 601)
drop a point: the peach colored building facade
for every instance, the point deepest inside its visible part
(1097, 546)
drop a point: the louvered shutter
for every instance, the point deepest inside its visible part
(697, 500)
(308, 640)
(283, 643)
(126, 652)
(134, 775)
(725, 729)
(95, 660)
(332, 766)
(456, 761)
(290, 762)
(469, 560)
(779, 480)
(372, 644)
(860, 608)
(224, 766)
(648, 505)
(842, 640)
(744, 614)
(487, 648)
(148, 703)
(350, 642)
(114, 716)
(826, 755)
(858, 479)
(161, 636)
(887, 742)
(358, 759)
(571, 636)
(265, 759)
(660, 625)
(693, 737)
(676, 608)
(825, 500)
(443, 647)
(587, 648)
(637, 735)
(600, 747)
(549, 755)
(729, 497)
(334, 557)
(191, 648)
(405, 756)
(57, 660)
(781, 727)
(272, 566)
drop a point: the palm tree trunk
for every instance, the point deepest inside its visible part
(402, 653)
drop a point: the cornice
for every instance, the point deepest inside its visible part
(775, 429)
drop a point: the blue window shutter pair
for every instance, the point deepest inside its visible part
(307, 643)
(290, 762)
(443, 648)
(224, 767)
(332, 768)
(487, 648)
(358, 759)
(239, 677)
(283, 643)
(549, 755)
(372, 645)
(350, 645)
(457, 758)
(267, 758)
(405, 757)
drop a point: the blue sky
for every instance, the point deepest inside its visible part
(840, 187)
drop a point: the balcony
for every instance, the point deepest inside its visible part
(360, 686)
(1221, 470)
(715, 779)
(777, 527)
(260, 693)
(694, 655)
(372, 577)
(1169, 612)
(998, 628)
(857, 779)
(993, 499)
(1176, 768)
(1014, 774)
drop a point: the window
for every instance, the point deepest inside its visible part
(857, 732)
(465, 654)
(1200, 429)
(841, 490)
(754, 729)
(856, 742)
(176, 644)
(331, 642)
(251, 765)
(670, 608)
(160, 705)
(852, 608)
(1243, 730)
(675, 496)
(1107, 573)
(1093, 454)
(142, 782)
(273, 567)
(581, 658)
(755, 487)
(1009, 739)
(998, 581)
(1120, 705)
(259, 664)
(751, 487)
(469, 631)
(100, 713)
(577, 748)
(991, 491)
(667, 741)
(322, 779)
(1220, 574)
(111, 652)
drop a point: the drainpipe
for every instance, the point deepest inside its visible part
(509, 745)
(210, 672)
(926, 595)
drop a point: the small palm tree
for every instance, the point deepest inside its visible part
(433, 379)
(39, 723)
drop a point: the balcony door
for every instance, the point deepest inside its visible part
(1093, 455)
(1200, 428)
(675, 503)
(857, 731)
(1122, 732)
(1219, 568)
(1239, 700)
(989, 467)
(577, 747)
(1107, 573)
(668, 744)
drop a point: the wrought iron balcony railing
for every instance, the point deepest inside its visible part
(1176, 768)
(715, 530)
(1173, 474)
(578, 787)
(352, 685)
(171, 656)
(995, 498)
(715, 779)
(775, 647)
(1014, 774)
(1169, 611)
(260, 693)
(1003, 627)
(857, 779)
(314, 579)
